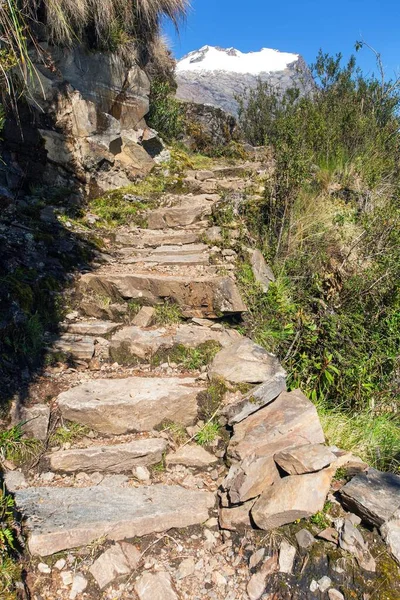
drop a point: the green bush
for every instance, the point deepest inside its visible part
(165, 114)
(329, 223)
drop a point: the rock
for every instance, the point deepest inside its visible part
(67, 578)
(249, 478)
(15, 480)
(324, 584)
(148, 238)
(218, 579)
(117, 561)
(330, 535)
(145, 317)
(189, 210)
(207, 296)
(237, 517)
(145, 343)
(374, 496)
(287, 554)
(238, 407)
(291, 420)
(62, 518)
(313, 586)
(244, 362)
(157, 586)
(256, 558)
(135, 404)
(257, 583)
(350, 539)
(391, 534)
(35, 419)
(93, 328)
(186, 568)
(60, 564)
(204, 175)
(335, 595)
(79, 347)
(141, 474)
(79, 585)
(43, 568)
(118, 458)
(294, 497)
(304, 459)
(262, 272)
(304, 538)
(214, 234)
(47, 477)
(191, 456)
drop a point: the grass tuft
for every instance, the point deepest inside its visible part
(168, 313)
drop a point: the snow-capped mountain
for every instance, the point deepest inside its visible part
(214, 75)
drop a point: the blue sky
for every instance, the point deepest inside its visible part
(301, 26)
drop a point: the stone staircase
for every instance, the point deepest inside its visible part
(129, 476)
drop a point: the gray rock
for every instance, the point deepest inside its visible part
(80, 347)
(256, 558)
(250, 478)
(94, 328)
(187, 211)
(324, 584)
(287, 554)
(35, 419)
(134, 404)
(391, 534)
(151, 238)
(291, 420)
(141, 474)
(262, 272)
(62, 518)
(256, 585)
(145, 317)
(335, 595)
(238, 406)
(118, 561)
(350, 539)
(119, 458)
(373, 495)
(245, 362)
(304, 538)
(294, 497)
(43, 568)
(304, 459)
(157, 586)
(214, 234)
(186, 568)
(79, 585)
(237, 517)
(15, 480)
(207, 296)
(191, 456)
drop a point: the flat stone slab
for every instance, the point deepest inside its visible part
(156, 586)
(238, 406)
(209, 296)
(80, 347)
(304, 459)
(148, 238)
(245, 362)
(145, 343)
(189, 210)
(292, 498)
(291, 420)
(134, 404)
(94, 328)
(62, 518)
(191, 456)
(373, 495)
(118, 561)
(118, 458)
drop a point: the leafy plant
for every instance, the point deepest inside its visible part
(167, 313)
(165, 114)
(208, 434)
(70, 432)
(15, 447)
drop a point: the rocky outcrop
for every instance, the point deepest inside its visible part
(88, 112)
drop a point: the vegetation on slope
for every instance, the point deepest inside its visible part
(329, 223)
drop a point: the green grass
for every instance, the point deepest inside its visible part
(189, 358)
(177, 432)
(210, 400)
(16, 448)
(208, 434)
(70, 432)
(167, 313)
(374, 438)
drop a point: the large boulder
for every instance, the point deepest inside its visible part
(292, 498)
(291, 420)
(250, 478)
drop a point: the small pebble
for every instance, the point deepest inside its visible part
(60, 564)
(43, 568)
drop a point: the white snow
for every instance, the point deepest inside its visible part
(209, 58)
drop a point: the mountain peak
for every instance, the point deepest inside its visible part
(231, 60)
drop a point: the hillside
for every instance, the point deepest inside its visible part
(216, 76)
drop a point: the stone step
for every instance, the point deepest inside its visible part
(63, 518)
(117, 458)
(95, 327)
(201, 296)
(167, 256)
(151, 238)
(118, 406)
(144, 344)
(189, 210)
(79, 347)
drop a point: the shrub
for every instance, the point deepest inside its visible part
(165, 114)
